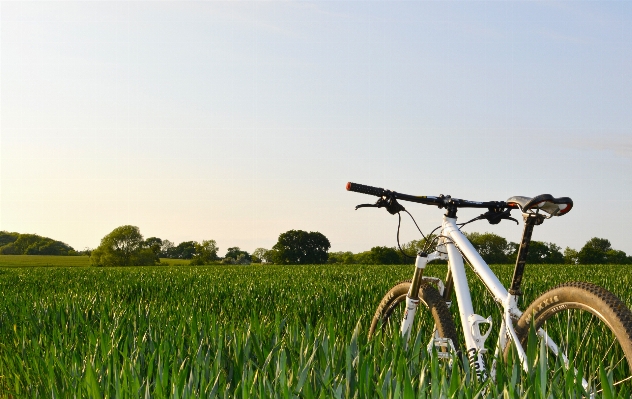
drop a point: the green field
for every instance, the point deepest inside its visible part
(64, 261)
(235, 331)
(43, 261)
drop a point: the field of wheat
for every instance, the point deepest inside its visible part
(242, 331)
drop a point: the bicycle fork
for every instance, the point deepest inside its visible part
(412, 298)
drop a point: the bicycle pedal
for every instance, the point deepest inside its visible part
(444, 347)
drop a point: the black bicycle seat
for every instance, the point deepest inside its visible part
(545, 202)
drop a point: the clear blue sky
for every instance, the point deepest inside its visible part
(237, 121)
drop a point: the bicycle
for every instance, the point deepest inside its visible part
(604, 321)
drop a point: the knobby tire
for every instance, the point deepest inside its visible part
(431, 303)
(591, 326)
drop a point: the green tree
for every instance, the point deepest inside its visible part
(343, 258)
(542, 252)
(166, 249)
(122, 247)
(617, 257)
(570, 256)
(236, 256)
(594, 251)
(32, 244)
(259, 255)
(300, 247)
(380, 256)
(184, 250)
(155, 245)
(7, 237)
(9, 249)
(205, 253)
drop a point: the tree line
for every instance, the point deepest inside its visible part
(125, 246)
(12, 243)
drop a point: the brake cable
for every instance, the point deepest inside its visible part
(493, 216)
(399, 222)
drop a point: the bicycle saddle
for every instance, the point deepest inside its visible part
(545, 202)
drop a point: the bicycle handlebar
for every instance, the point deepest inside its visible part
(361, 188)
(441, 201)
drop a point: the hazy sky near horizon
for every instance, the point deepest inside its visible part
(237, 121)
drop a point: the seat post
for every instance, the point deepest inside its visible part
(530, 220)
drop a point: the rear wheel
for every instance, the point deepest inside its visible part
(432, 312)
(593, 331)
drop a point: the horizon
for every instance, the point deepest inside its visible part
(239, 121)
(250, 251)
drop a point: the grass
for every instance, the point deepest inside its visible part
(66, 261)
(175, 262)
(43, 261)
(236, 331)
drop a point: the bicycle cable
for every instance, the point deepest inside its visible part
(427, 241)
(399, 222)
(426, 247)
(435, 238)
(416, 225)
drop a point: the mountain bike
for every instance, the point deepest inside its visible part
(585, 331)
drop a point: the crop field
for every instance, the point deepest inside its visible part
(43, 261)
(65, 261)
(240, 331)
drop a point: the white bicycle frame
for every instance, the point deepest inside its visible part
(456, 245)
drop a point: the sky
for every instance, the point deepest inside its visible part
(238, 121)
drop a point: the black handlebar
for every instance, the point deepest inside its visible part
(361, 188)
(440, 201)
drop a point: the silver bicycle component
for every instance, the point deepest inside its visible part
(444, 347)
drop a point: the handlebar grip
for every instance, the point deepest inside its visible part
(361, 188)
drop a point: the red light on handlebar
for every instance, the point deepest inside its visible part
(348, 186)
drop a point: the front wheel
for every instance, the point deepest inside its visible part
(432, 313)
(593, 332)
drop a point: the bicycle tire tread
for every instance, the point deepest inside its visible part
(603, 303)
(432, 300)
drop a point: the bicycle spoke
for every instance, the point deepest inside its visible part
(568, 332)
(614, 340)
(583, 338)
(616, 383)
(624, 380)
(596, 337)
(618, 363)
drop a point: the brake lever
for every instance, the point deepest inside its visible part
(391, 205)
(495, 217)
(366, 206)
(380, 203)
